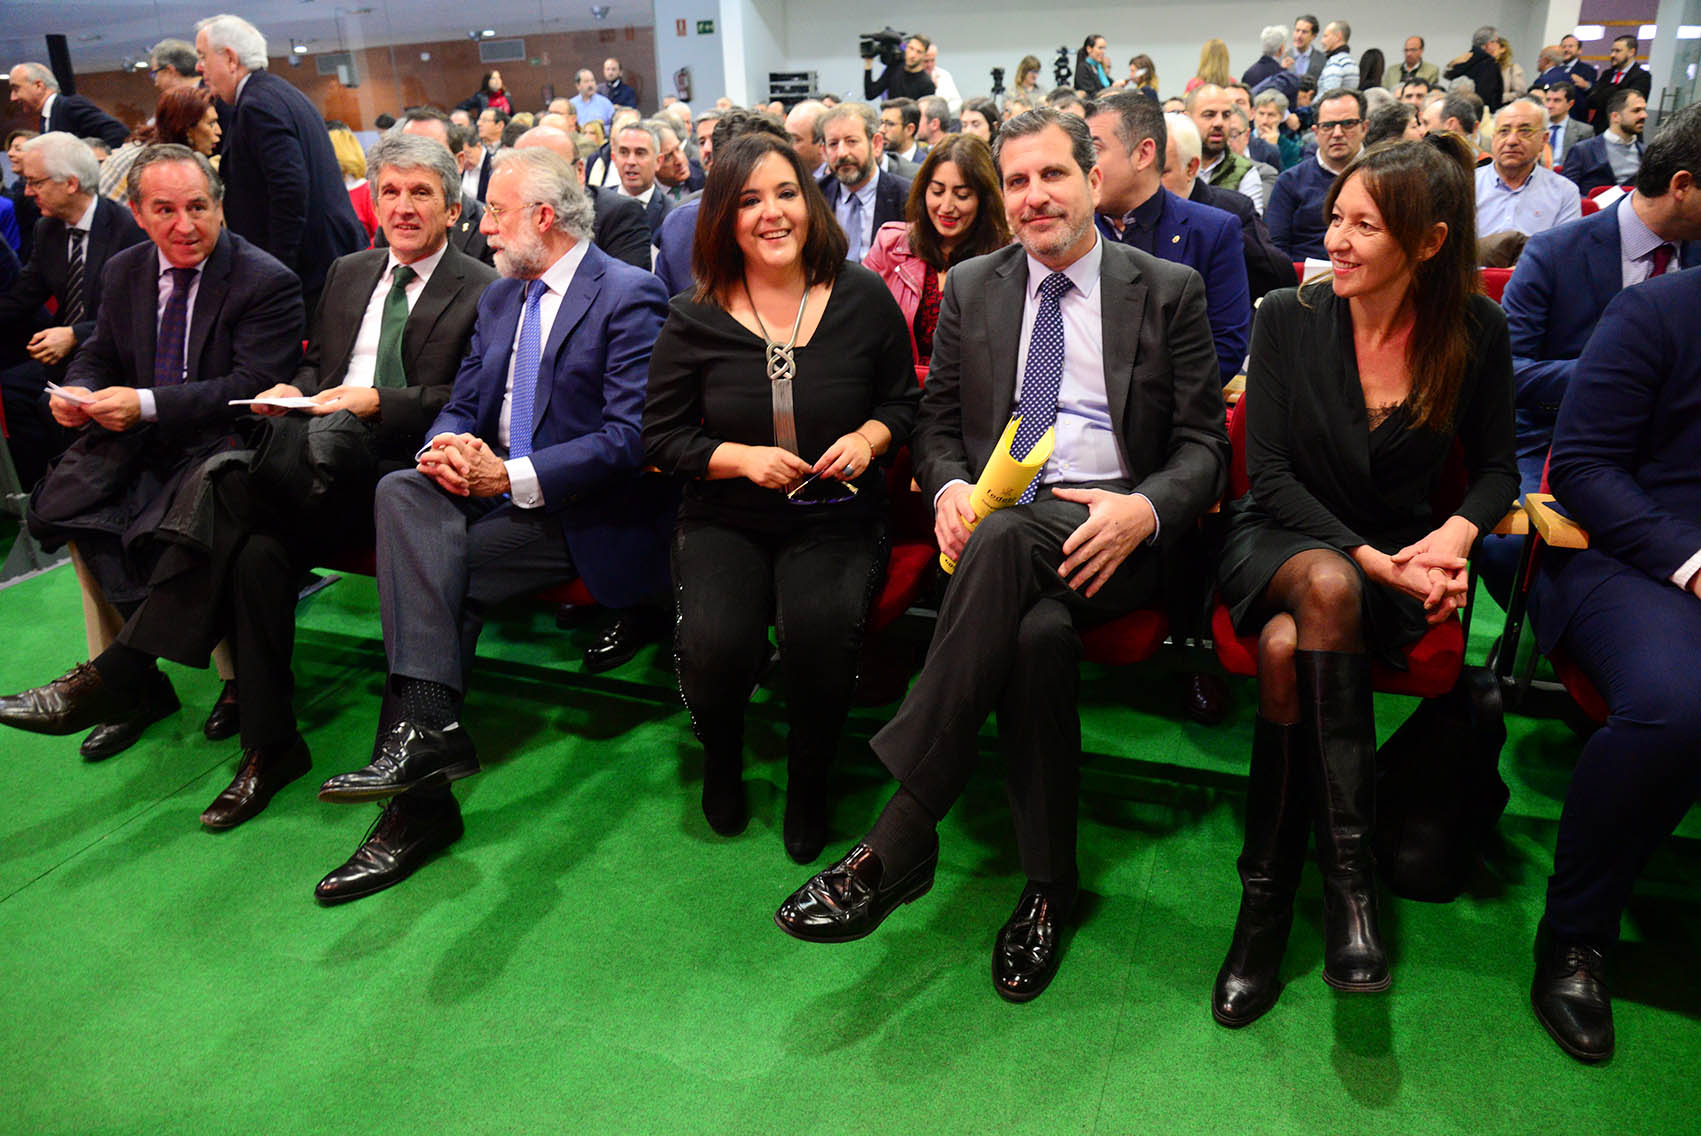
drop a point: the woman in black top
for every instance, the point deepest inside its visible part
(783, 516)
(1356, 396)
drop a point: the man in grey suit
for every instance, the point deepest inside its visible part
(1113, 349)
(1563, 131)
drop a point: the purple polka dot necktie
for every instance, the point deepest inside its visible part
(1042, 378)
(526, 355)
(169, 364)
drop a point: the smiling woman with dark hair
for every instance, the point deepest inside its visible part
(774, 388)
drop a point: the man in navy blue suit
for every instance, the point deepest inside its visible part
(1613, 156)
(1627, 610)
(531, 476)
(36, 90)
(861, 195)
(285, 190)
(1135, 209)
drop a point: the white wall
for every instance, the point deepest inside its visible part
(704, 55)
(977, 35)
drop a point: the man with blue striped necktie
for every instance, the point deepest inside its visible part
(530, 477)
(1111, 349)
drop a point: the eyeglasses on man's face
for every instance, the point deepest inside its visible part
(1343, 125)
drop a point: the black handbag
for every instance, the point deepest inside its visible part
(1439, 790)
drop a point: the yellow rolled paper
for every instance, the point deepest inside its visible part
(1004, 479)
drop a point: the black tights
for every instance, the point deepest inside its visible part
(1317, 598)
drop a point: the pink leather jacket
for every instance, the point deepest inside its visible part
(903, 273)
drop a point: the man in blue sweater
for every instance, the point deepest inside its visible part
(1295, 212)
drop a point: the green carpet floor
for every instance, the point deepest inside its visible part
(591, 958)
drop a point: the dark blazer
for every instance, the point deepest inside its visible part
(284, 191)
(891, 195)
(673, 246)
(1208, 241)
(1636, 78)
(1586, 164)
(76, 115)
(1160, 376)
(620, 227)
(1483, 70)
(655, 212)
(1562, 283)
(466, 234)
(112, 230)
(902, 167)
(27, 213)
(10, 269)
(1262, 68)
(1575, 131)
(588, 417)
(434, 339)
(1624, 450)
(1267, 267)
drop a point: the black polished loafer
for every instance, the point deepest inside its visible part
(408, 755)
(1030, 944)
(110, 738)
(852, 898)
(77, 700)
(263, 771)
(225, 718)
(404, 837)
(615, 644)
(1570, 998)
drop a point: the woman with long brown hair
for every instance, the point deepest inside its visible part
(774, 389)
(955, 211)
(1359, 389)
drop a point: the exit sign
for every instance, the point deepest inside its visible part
(705, 27)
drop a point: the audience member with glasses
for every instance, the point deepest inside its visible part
(1295, 213)
(774, 389)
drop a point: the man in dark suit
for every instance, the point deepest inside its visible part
(1481, 68)
(1134, 208)
(1052, 328)
(861, 195)
(637, 155)
(1622, 73)
(1308, 56)
(619, 228)
(189, 320)
(1613, 156)
(679, 228)
(1627, 611)
(1563, 129)
(1569, 70)
(1267, 267)
(77, 232)
(286, 191)
(531, 476)
(35, 89)
(465, 232)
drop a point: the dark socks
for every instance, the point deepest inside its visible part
(904, 835)
(124, 670)
(428, 704)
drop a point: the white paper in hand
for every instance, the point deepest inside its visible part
(300, 403)
(71, 396)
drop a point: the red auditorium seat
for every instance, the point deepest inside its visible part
(1589, 206)
(1494, 282)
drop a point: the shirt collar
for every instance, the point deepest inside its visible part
(86, 221)
(241, 83)
(1203, 170)
(643, 197)
(47, 104)
(1636, 241)
(1084, 273)
(422, 268)
(866, 193)
(1146, 215)
(166, 266)
(559, 276)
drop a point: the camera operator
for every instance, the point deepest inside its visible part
(909, 81)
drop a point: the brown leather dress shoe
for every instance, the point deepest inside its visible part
(407, 834)
(225, 718)
(77, 700)
(262, 773)
(110, 738)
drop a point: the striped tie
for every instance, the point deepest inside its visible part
(74, 280)
(171, 348)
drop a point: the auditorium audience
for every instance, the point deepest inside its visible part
(1340, 70)
(783, 515)
(980, 118)
(1516, 191)
(900, 119)
(351, 160)
(1213, 66)
(1143, 75)
(1308, 56)
(1082, 546)
(1091, 59)
(906, 80)
(24, 213)
(677, 239)
(860, 195)
(489, 94)
(1563, 129)
(1267, 267)
(803, 125)
(1479, 66)
(1296, 216)
(1415, 91)
(465, 231)
(936, 116)
(1613, 156)
(954, 212)
(1396, 122)
(1270, 122)
(1332, 558)
(943, 85)
(1026, 81)
(1211, 108)
(1273, 43)
(1573, 70)
(1622, 73)
(1370, 67)
(36, 91)
(637, 154)
(171, 64)
(614, 86)
(1513, 84)
(158, 406)
(1412, 66)
(587, 104)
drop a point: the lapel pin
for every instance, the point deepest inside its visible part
(1175, 240)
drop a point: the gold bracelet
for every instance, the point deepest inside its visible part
(865, 441)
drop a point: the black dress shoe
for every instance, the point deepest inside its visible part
(109, 738)
(264, 770)
(225, 718)
(77, 700)
(405, 835)
(408, 755)
(1029, 945)
(1207, 698)
(615, 644)
(1570, 996)
(852, 898)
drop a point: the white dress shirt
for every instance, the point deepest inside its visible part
(523, 484)
(1251, 182)
(946, 88)
(85, 224)
(145, 394)
(363, 363)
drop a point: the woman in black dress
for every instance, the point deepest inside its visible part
(774, 389)
(1357, 393)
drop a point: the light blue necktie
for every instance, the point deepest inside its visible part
(1042, 378)
(526, 355)
(854, 229)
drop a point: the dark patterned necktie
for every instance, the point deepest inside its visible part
(1042, 378)
(74, 280)
(169, 365)
(389, 371)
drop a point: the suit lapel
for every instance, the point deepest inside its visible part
(587, 281)
(439, 290)
(1604, 268)
(353, 294)
(209, 298)
(1004, 305)
(1122, 306)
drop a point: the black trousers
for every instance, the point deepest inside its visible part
(1636, 637)
(1007, 640)
(814, 583)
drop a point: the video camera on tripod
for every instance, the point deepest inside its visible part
(885, 45)
(1063, 68)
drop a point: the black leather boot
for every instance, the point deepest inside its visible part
(1335, 702)
(807, 804)
(1278, 807)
